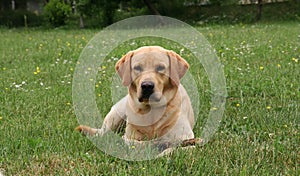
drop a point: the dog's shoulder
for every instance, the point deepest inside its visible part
(120, 106)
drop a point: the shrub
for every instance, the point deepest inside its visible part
(56, 12)
(16, 18)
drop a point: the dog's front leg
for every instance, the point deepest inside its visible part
(113, 121)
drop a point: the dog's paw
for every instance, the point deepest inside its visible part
(166, 152)
(86, 130)
(192, 142)
(170, 151)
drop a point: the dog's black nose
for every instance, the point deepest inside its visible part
(147, 86)
(147, 90)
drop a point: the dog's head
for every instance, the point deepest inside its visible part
(151, 72)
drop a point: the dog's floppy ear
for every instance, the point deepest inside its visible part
(178, 67)
(123, 68)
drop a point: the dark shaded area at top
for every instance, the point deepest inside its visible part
(98, 14)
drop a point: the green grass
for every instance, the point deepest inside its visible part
(259, 133)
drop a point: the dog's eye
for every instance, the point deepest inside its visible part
(138, 68)
(160, 68)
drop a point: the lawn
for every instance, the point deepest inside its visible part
(258, 135)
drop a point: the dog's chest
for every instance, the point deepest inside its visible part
(153, 124)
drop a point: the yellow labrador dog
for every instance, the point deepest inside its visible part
(157, 106)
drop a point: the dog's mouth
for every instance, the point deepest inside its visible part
(145, 98)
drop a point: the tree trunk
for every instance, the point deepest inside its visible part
(151, 7)
(259, 10)
(154, 11)
(81, 24)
